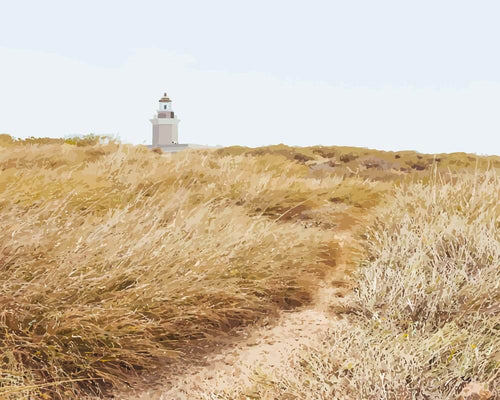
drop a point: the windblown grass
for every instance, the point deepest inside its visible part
(424, 319)
(116, 260)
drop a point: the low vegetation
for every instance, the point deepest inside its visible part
(115, 260)
(424, 319)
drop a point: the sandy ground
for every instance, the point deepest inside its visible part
(265, 347)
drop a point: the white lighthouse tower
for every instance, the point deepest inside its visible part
(165, 125)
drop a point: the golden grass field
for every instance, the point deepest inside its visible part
(117, 261)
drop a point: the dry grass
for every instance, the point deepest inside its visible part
(116, 260)
(425, 318)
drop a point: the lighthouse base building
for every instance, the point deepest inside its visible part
(165, 130)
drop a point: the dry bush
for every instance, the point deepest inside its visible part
(368, 163)
(85, 140)
(424, 319)
(348, 157)
(6, 140)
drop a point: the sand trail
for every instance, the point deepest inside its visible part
(262, 347)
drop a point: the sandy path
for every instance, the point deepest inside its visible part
(266, 348)
(263, 347)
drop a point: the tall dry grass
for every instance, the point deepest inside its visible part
(116, 260)
(424, 319)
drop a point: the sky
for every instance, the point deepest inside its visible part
(386, 74)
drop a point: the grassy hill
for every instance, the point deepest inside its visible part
(116, 260)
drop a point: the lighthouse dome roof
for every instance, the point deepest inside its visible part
(165, 99)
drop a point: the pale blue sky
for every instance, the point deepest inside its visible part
(421, 75)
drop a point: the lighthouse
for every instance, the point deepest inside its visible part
(165, 124)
